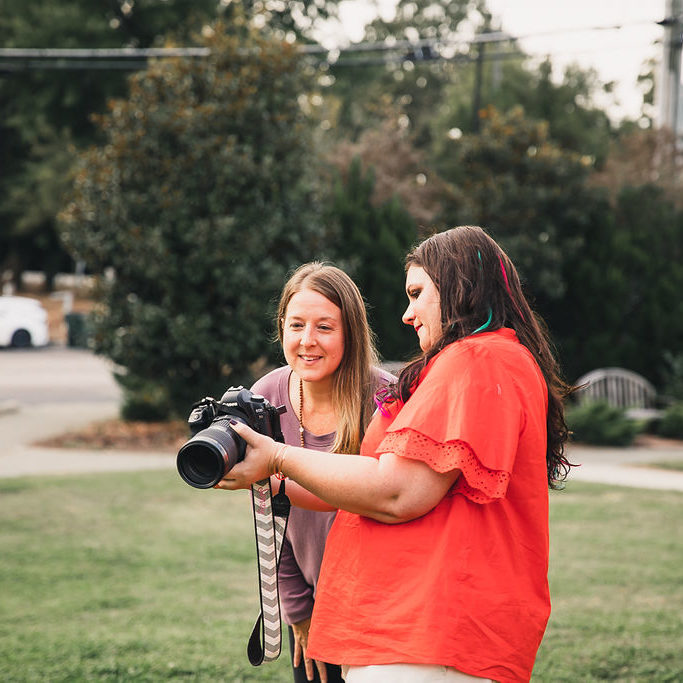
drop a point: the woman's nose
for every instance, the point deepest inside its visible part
(409, 315)
(307, 337)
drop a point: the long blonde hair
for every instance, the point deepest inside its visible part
(354, 382)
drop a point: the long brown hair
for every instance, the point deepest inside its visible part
(354, 382)
(477, 282)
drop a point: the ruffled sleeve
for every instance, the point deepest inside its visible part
(464, 414)
(479, 483)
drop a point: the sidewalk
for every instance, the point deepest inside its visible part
(624, 466)
(21, 426)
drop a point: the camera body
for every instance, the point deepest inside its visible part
(215, 448)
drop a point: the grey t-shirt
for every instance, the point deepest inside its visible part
(304, 544)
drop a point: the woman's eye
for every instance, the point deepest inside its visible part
(295, 326)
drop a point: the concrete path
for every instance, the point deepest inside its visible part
(23, 425)
(48, 392)
(625, 466)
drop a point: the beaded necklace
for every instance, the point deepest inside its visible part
(301, 411)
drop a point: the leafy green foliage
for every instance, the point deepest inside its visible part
(292, 18)
(673, 375)
(623, 302)
(201, 198)
(573, 122)
(596, 422)
(531, 194)
(373, 241)
(45, 112)
(408, 81)
(671, 424)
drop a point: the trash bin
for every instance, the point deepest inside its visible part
(77, 330)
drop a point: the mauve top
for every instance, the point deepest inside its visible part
(304, 544)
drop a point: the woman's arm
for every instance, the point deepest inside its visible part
(391, 489)
(299, 496)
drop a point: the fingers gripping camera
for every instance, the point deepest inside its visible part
(215, 448)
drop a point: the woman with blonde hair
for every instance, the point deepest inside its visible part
(328, 387)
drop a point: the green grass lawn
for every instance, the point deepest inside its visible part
(139, 577)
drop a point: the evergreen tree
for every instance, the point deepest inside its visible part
(372, 246)
(623, 303)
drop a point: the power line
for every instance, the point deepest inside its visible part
(102, 53)
(426, 49)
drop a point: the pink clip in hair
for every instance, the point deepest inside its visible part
(507, 286)
(381, 397)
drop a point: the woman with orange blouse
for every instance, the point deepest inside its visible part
(436, 565)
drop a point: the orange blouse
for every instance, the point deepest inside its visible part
(466, 584)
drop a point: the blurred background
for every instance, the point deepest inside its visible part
(165, 163)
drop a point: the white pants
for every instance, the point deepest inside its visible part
(406, 673)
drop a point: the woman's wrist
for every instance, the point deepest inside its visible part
(277, 461)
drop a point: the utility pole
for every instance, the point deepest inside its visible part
(481, 41)
(670, 106)
(478, 77)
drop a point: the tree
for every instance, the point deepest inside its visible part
(623, 303)
(574, 123)
(373, 241)
(532, 195)
(45, 112)
(642, 157)
(201, 198)
(371, 86)
(399, 169)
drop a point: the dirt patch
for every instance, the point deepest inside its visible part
(121, 435)
(653, 441)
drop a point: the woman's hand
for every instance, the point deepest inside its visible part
(259, 454)
(300, 630)
(390, 489)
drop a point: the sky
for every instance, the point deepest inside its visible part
(615, 37)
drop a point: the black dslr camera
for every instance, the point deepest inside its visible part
(215, 448)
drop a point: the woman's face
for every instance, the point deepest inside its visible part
(424, 307)
(312, 336)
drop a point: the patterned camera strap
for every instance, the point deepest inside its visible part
(270, 523)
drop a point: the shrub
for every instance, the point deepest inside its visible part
(144, 401)
(673, 375)
(600, 424)
(671, 424)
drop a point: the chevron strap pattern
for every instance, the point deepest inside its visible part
(270, 524)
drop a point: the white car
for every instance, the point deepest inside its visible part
(23, 322)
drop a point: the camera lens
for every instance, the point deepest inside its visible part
(200, 465)
(206, 458)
